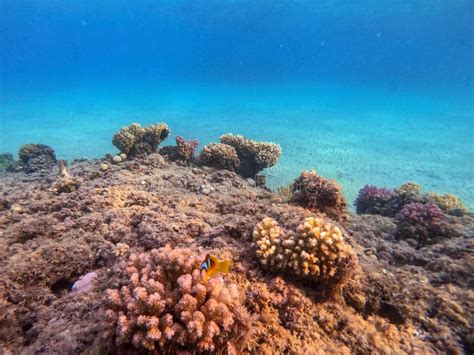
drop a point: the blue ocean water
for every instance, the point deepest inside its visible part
(377, 92)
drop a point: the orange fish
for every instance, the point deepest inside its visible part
(212, 265)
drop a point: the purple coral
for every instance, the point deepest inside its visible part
(419, 220)
(372, 199)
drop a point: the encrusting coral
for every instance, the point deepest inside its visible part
(220, 156)
(137, 141)
(316, 251)
(420, 221)
(254, 156)
(318, 194)
(165, 306)
(65, 183)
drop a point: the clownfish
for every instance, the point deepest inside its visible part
(212, 265)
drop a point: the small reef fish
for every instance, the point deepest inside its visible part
(212, 265)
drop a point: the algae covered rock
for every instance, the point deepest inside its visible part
(137, 141)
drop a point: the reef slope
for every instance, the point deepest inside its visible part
(401, 299)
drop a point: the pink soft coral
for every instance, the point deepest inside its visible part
(164, 305)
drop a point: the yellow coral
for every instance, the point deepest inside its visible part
(128, 137)
(315, 250)
(446, 202)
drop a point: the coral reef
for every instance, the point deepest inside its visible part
(318, 194)
(220, 156)
(165, 305)
(34, 158)
(316, 251)
(6, 161)
(400, 299)
(373, 200)
(65, 183)
(183, 151)
(385, 202)
(449, 203)
(420, 221)
(137, 141)
(254, 156)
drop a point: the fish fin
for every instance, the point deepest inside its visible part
(224, 266)
(204, 276)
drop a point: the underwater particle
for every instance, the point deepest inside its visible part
(104, 167)
(220, 156)
(254, 156)
(165, 304)
(117, 159)
(318, 194)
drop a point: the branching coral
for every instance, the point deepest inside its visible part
(421, 221)
(183, 151)
(221, 156)
(138, 141)
(165, 306)
(320, 195)
(315, 251)
(65, 183)
(446, 202)
(254, 156)
(373, 200)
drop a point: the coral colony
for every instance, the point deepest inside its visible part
(106, 256)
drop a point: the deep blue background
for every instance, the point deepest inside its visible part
(394, 44)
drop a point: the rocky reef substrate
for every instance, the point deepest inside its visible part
(109, 266)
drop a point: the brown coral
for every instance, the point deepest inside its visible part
(219, 155)
(320, 195)
(316, 251)
(254, 156)
(164, 305)
(138, 141)
(447, 202)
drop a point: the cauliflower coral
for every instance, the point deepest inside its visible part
(219, 155)
(315, 251)
(164, 305)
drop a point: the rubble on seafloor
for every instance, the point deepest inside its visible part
(103, 239)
